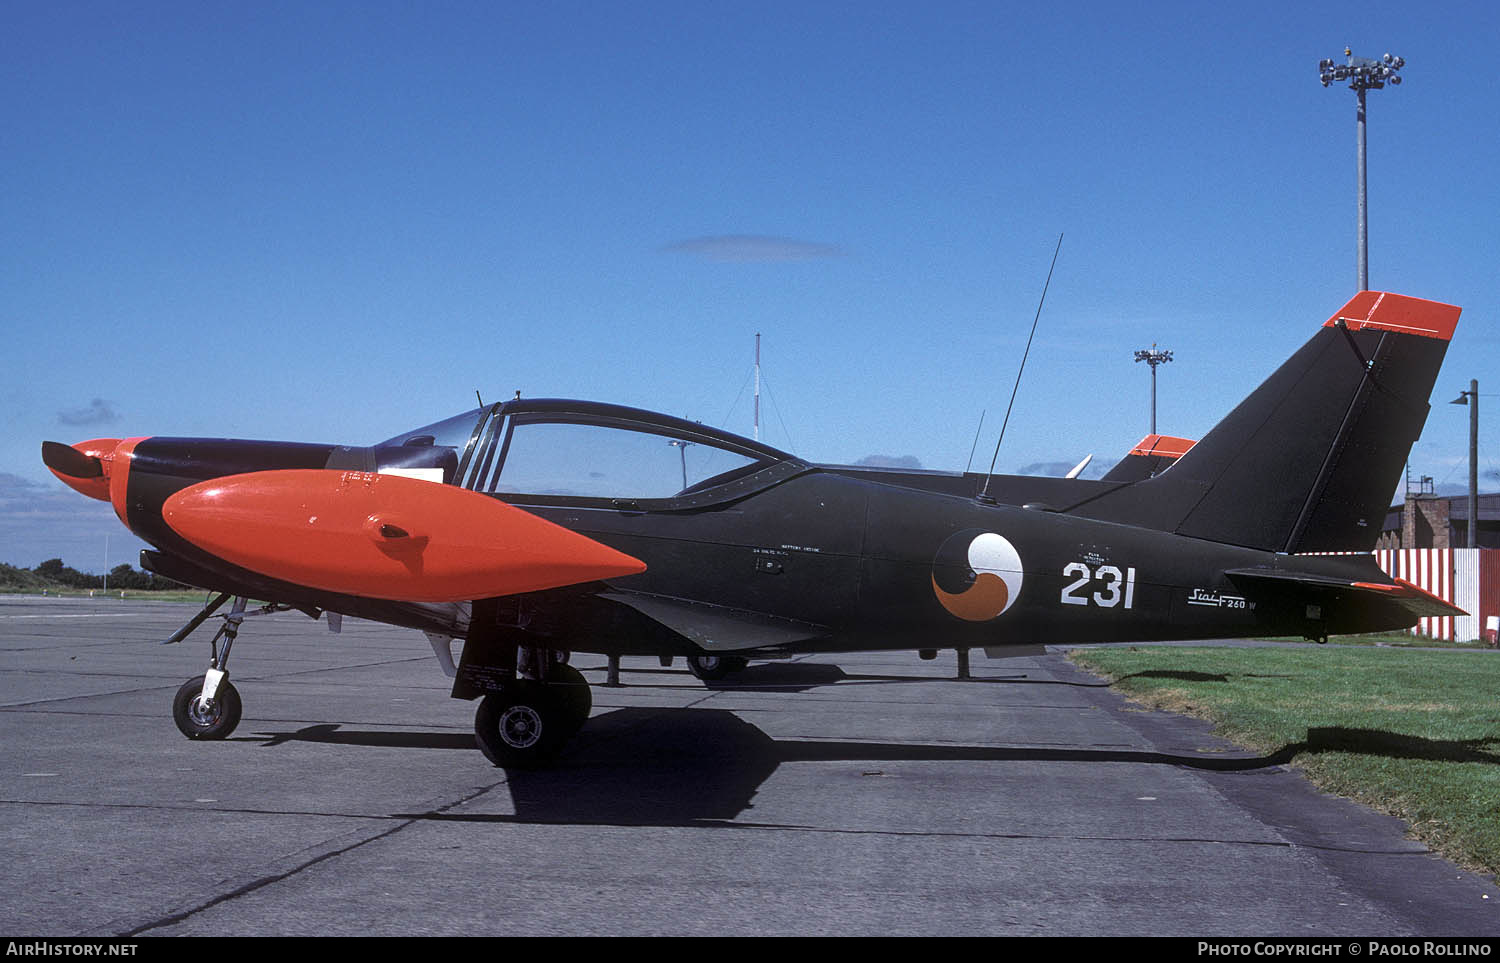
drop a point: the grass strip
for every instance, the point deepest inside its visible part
(1412, 733)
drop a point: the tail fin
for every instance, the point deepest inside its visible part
(1307, 462)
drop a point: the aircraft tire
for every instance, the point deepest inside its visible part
(713, 668)
(522, 727)
(573, 695)
(197, 720)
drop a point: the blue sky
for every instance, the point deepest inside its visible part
(328, 221)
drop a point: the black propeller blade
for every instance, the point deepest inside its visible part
(67, 460)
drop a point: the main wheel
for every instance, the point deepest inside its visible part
(200, 718)
(521, 727)
(712, 668)
(573, 695)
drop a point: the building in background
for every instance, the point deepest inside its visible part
(1440, 521)
(1423, 542)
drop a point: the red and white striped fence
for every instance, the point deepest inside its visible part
(1467, 577)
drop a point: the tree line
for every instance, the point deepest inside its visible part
(53, 572)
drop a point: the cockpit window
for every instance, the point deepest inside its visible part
(431, 453)
(449, 433)
(593, 451)
(607, 461)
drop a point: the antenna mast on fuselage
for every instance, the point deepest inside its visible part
(757, 386)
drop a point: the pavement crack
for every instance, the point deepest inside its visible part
(276, 877)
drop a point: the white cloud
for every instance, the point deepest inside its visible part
(98, 412)
(752, 249)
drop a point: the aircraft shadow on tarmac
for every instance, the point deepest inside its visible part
(806, 676)
(781, 676)
(686, 767)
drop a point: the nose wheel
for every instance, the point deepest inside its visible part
(199, 716)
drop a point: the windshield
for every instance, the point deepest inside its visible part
(451, 432)
(560, 449)
(607, 461)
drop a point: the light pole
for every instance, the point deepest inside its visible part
(1153, 358)
(682, 447)
(1471, 398)
(1363, 74)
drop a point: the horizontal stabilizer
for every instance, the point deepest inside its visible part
(1416, 600)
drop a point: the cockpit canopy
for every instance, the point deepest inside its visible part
(560, 451)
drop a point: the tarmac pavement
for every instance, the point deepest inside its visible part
(868, 794)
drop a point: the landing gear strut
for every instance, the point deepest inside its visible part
(208, 707)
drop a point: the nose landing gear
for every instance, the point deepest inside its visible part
(208, 707)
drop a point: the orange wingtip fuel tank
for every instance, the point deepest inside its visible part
(385, 536)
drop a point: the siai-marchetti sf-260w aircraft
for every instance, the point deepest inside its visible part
(535, 528)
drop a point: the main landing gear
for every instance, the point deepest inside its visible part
(712, 668)
(208, 706)
(531, 701)
(525, 722)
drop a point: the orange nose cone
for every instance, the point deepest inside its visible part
(119, 475)
(88, 471)
(101, 448)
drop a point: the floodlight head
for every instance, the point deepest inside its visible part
(1462, 399)
(1362, 73)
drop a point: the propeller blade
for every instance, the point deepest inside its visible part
(84, 467)
(69, 461)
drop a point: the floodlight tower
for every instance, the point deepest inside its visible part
(1471, 398)
(1363, 74)
(1153, 358)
